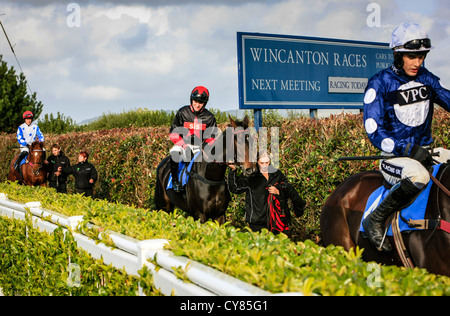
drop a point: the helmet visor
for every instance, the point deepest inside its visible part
(199, 97)
(417, 44)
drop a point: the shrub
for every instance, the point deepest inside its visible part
(126, 160)
(273, 263)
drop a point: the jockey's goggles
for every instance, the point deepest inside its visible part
(417, 44)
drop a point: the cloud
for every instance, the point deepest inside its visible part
(102, 93)
(136, 54)
(151, 3)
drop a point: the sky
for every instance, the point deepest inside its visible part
(135, 54)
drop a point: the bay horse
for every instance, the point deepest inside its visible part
(206, 194)
(33, 171)
(343, 210)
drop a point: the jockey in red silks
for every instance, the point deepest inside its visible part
(189, 131)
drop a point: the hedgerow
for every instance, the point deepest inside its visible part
(271, 262)
(126, 159)
(36, 263)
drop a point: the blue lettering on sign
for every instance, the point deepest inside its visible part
(278, 71)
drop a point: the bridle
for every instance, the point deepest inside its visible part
(225, 163)
(36, 171)
(235, 156)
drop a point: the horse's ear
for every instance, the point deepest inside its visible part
(246, 122)
(232, 122)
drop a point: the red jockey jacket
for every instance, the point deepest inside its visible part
(188, 128)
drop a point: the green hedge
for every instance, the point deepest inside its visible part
(126, 160)
(35, 263)
(273, 263)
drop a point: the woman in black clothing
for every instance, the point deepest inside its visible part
(265, 185)
(58, 166)
(85, 175)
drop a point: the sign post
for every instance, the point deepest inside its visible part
(293, 72)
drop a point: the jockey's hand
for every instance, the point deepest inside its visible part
(274, 190)
(191, 150)
(422, 155)
(232, 166)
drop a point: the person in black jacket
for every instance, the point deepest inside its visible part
(189, 131)
(85, 175)
(58, 169)
(261, 188)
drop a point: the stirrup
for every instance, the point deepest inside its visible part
(177, 187)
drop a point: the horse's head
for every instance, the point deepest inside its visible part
(244, 151)
(37, 152)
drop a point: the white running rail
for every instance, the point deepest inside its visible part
(132, 255)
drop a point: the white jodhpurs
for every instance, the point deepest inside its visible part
(396, 169)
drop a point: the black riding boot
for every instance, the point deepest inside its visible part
(174, 170)
(16, 166)
(400, 196)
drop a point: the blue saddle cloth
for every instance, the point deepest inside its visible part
(183, 169)
(24, 161)
(416, 211)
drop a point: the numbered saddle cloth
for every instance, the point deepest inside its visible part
(416, 211)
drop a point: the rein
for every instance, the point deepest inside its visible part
(432, 224)
(441, 223)
(221, 182)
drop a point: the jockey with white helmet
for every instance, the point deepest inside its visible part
(398, 113)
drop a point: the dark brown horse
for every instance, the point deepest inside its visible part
(33, 171)
(342, 213)
(206, 194)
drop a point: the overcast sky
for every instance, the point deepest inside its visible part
(150, 54)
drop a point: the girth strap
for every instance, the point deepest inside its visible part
(423, 224)
(205, 181)
(428, 224)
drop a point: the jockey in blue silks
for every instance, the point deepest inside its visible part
(26, 135)
(398, 113)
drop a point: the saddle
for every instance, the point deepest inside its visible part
(184, 170)
(24, 161)
(413, 213)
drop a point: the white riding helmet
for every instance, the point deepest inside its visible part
(410, 37)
